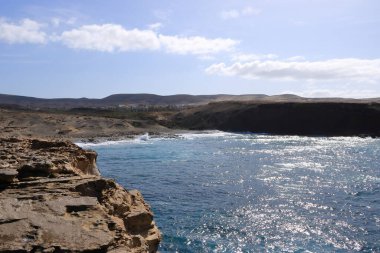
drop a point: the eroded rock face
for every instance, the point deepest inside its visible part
(284, 118)
(52, 199)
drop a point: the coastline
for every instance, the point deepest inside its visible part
(280, 118)
(190, 135)
(42, 180)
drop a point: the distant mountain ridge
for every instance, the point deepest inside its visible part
(159, 100)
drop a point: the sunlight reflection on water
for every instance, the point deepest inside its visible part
(220, 192)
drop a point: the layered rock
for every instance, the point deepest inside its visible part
(52, 199)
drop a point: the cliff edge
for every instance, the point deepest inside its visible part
(307, 119)
(53, 199)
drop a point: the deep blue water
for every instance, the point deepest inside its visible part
(255, 193)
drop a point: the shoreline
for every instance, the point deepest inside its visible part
(231, 117)
(184, 134)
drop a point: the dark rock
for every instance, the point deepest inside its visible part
(39, 144)
(8, 175)
(34, 170)
(306, 118)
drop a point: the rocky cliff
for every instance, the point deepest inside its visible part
(306, 118)
(52, 199)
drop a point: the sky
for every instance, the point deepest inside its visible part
(92, 48)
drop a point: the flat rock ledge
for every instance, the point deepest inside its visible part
(53, 199)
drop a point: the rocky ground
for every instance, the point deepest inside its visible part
(53, 199)
(35, 124)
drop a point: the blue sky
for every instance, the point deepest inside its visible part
(312, 48)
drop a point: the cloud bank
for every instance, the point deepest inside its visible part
(109, 38)
(25, 31)
(351, 69)
(114, 38)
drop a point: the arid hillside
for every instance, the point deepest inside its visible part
(78, 126)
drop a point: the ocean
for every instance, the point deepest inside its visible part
(224, 192)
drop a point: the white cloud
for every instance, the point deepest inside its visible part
(113, 38)
(246, 11)
(350, 69)
(155, 26)
(110, 38)
(196, 45)
(26, 31)
(252, 57)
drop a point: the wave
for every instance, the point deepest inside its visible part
(103, 143)
(146, 138)
(138, 139)
(216, 134)
(143, 137)
(208, 134)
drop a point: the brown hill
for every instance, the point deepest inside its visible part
(157, 100)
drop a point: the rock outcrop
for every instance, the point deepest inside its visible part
(52, 199)
(306, 118)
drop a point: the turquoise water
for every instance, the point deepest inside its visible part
(223, 192)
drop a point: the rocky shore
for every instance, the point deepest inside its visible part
(291, 116)
(36, 124)
(53, 199)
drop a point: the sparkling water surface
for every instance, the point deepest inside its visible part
(222, 192)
